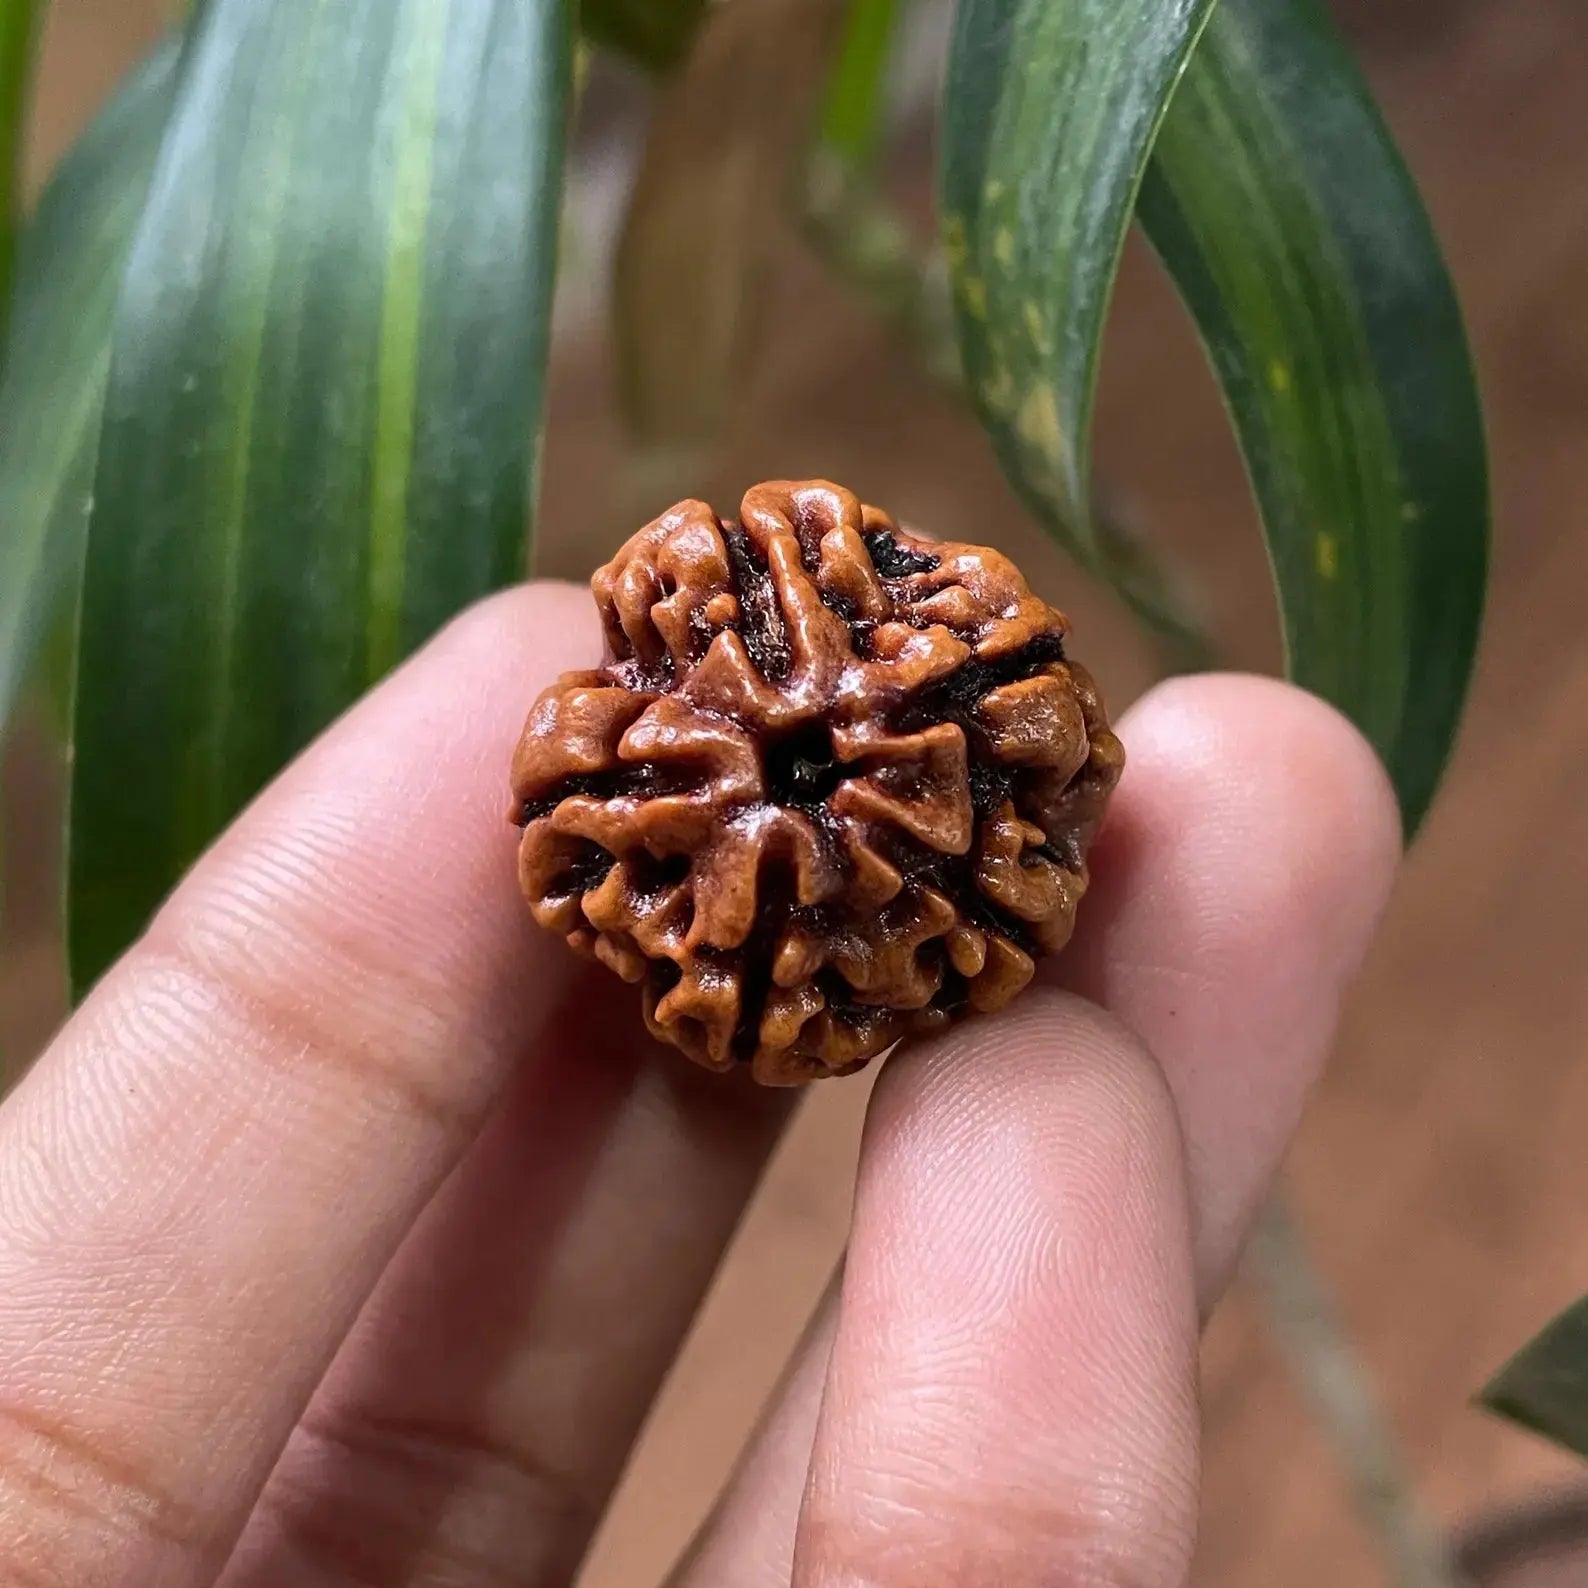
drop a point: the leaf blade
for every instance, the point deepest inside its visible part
(855, 104)
(1050, 111)
(1280, 206)
(321, 428)
(1544, 1387)
(57, 355)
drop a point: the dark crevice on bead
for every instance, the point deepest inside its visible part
(760, 621)
(954, 876)
(893, 561)
(755, 957)
(953, 997)
(654, 876)
(841, 1003)
(990, 786)
(956, 698)
(589, 871)
(641, 782)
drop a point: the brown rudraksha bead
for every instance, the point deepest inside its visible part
(832, 785)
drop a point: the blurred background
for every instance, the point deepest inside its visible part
(1440, 1178)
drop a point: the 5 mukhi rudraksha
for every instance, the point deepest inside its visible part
(834, 784)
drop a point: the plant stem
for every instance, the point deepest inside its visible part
(854, 112)
(17, 26)
(1337, 1384)
(871, 250)
(865, 244)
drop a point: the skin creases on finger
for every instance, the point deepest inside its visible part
(478, 1416)
(204, 1177)
(1012, 1392)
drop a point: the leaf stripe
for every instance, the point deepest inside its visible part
(242, 399)
(398, 378)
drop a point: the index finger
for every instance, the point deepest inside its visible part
(204, 1177)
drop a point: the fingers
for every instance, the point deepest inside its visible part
(1239, 880)
(1012, 1392)
(476, 1419)
(201, 1181)
(1243, 867)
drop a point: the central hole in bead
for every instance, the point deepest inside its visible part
(803, 768)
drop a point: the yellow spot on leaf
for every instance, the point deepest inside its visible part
(1327, 555)
(1279, 377)
(974, 291)
(1004, 247)
(993, 191)
(1038, 423)
(954, 245)
(1036, 325)
(1410, 512)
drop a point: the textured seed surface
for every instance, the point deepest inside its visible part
(832, 785)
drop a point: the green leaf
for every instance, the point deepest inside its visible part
(655, 33)
(1282, 211)
(56, 357)
(1545, 1386)
(324, 403)
(18, 27)
(1049, 115)
(709, 211)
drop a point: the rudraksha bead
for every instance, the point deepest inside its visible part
(833, 784)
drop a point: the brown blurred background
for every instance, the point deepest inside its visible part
(1441, 1175)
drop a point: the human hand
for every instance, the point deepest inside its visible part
(348, 1229)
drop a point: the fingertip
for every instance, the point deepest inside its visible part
(1261, 800)
(534, 609)
(368, 895)
(982, 1141)
(1264, 739)
(1015, 1077)
(524, 635)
